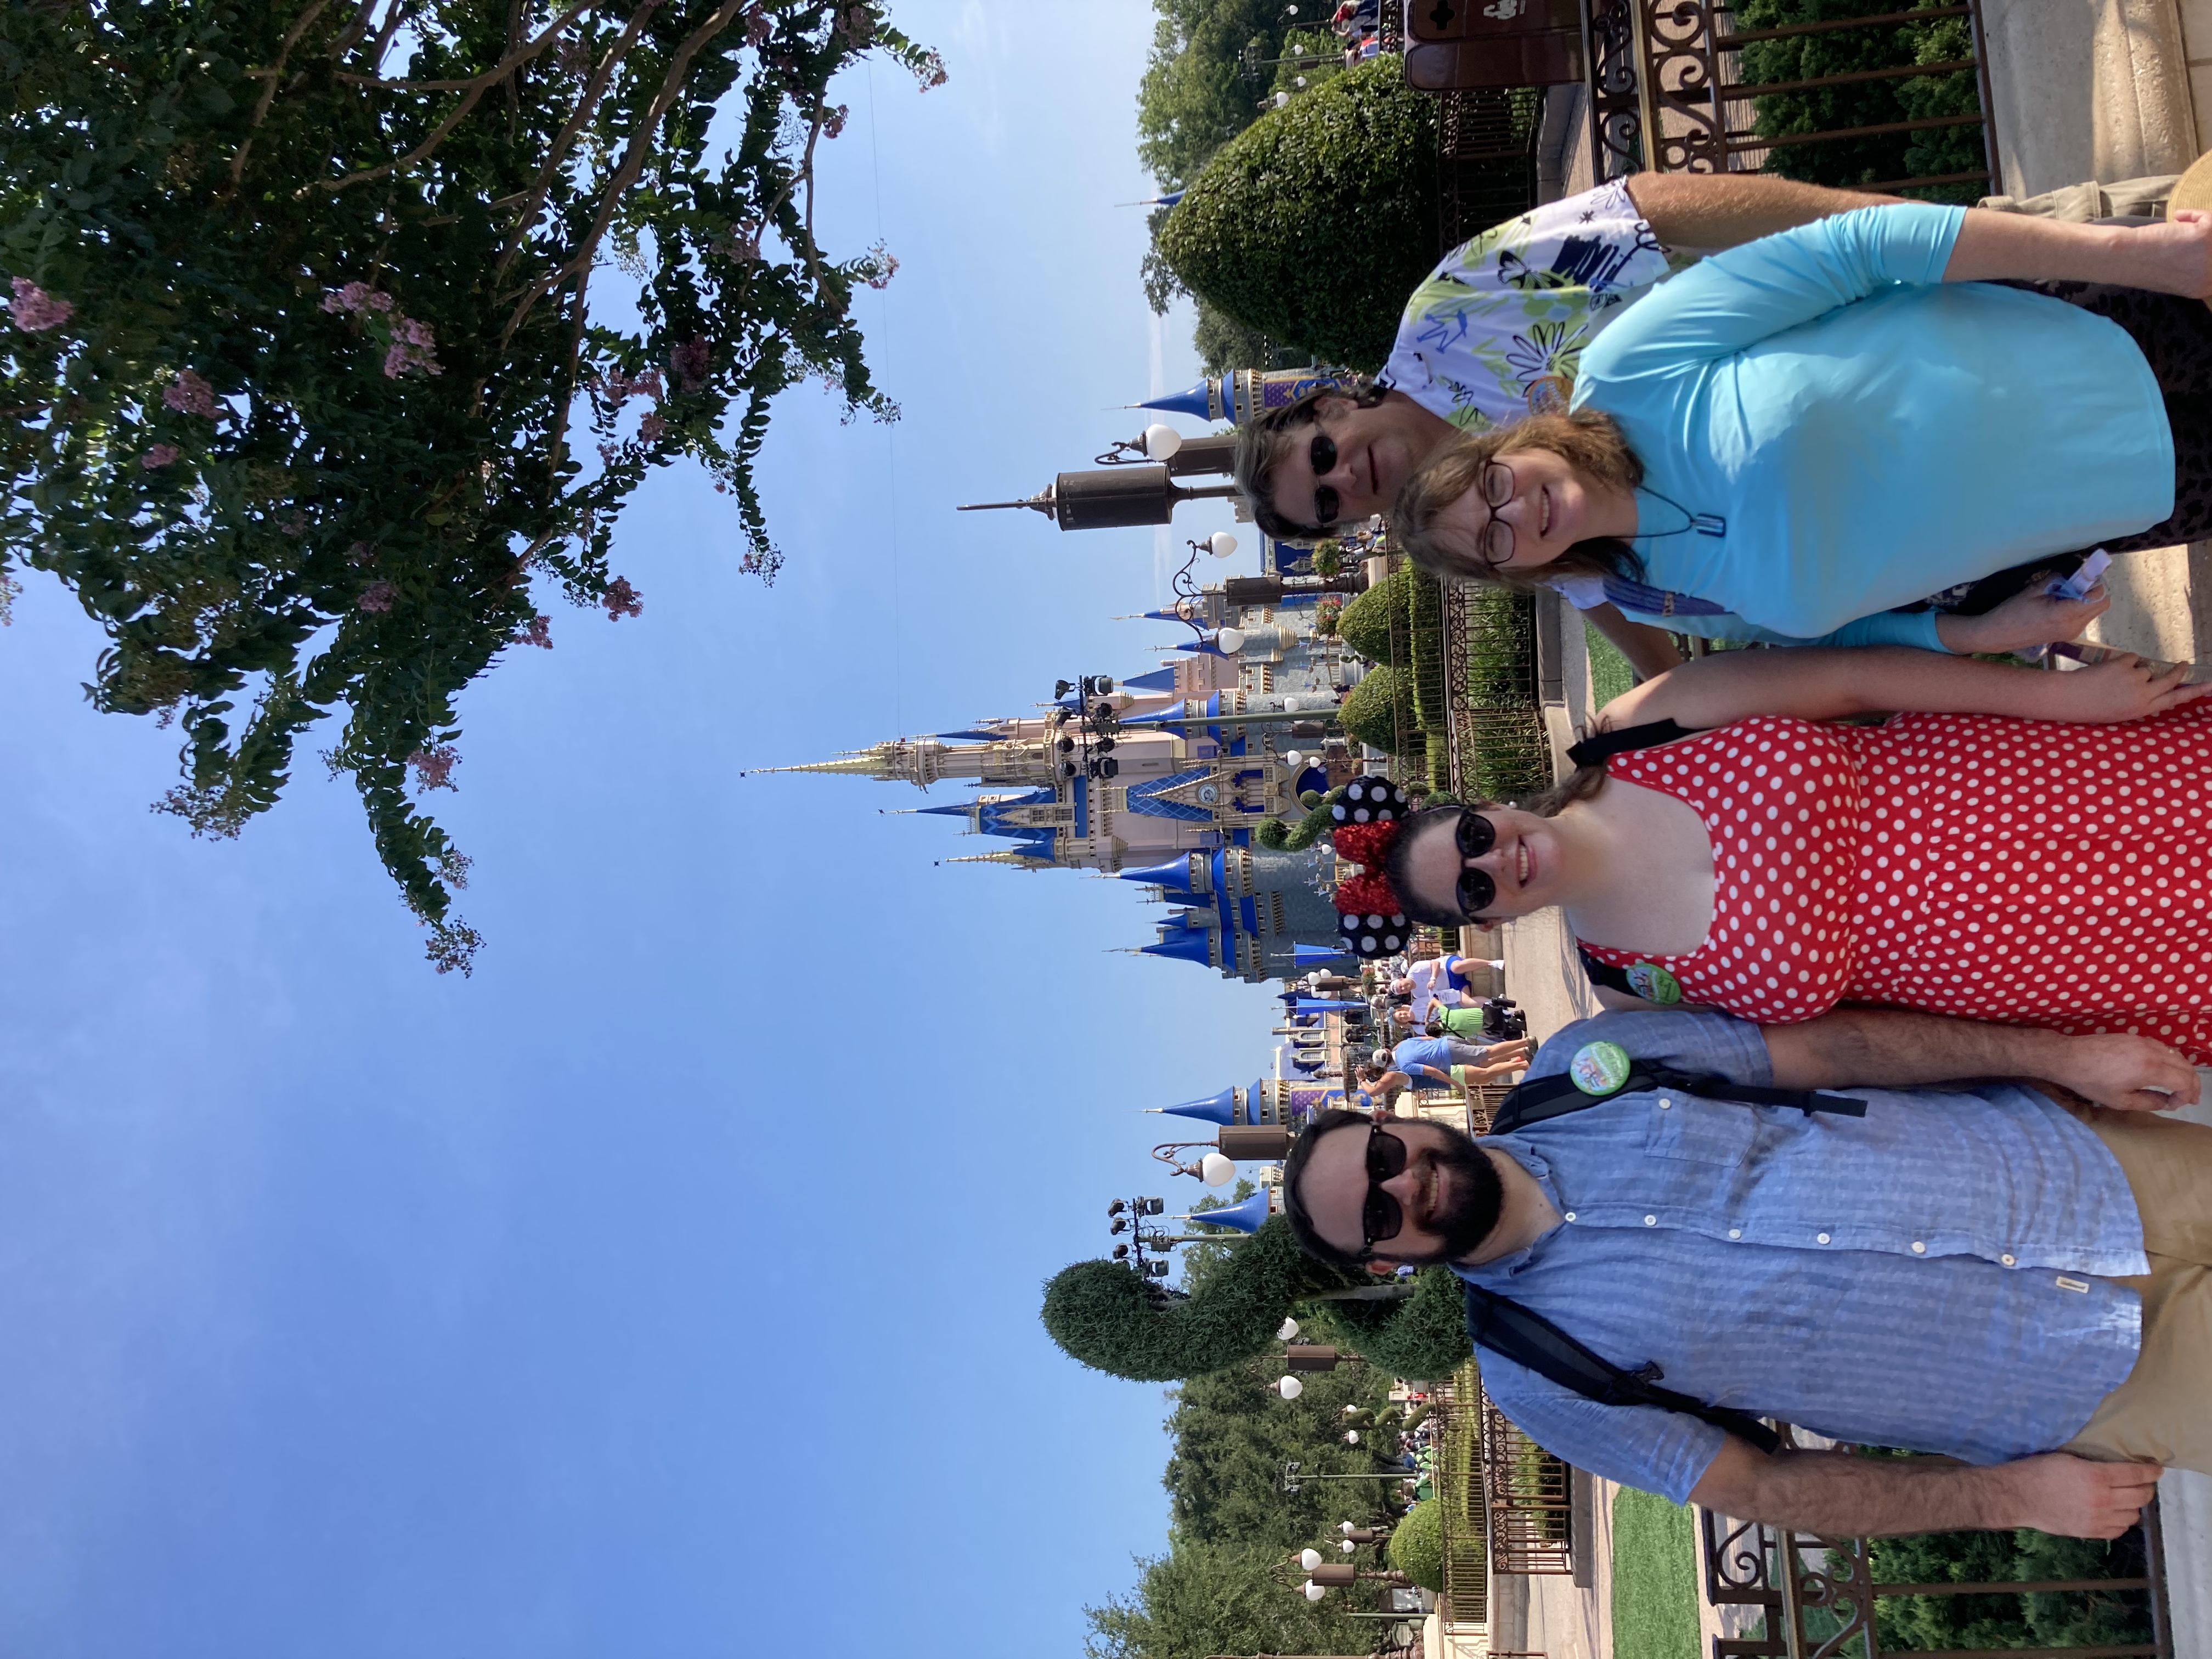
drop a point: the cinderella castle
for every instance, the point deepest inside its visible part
(1162, 779)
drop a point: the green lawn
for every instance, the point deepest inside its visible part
(1610, 676)
(1655, 1578)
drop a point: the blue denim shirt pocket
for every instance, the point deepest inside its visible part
(1694, 1131)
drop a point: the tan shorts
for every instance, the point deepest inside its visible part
(2163, 1412)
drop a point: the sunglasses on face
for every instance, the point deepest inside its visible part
(1381, 1215)
(1321, 455)
(1473, 835)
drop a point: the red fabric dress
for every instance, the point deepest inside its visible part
(2017, 871)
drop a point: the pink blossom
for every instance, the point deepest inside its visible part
(35, 311)
(887, 269)
(538, 631)
(620, 600)
(652, 427)
(931, 73)
(832, 121)
(433, 767)
(857, 24)
(293, 522)
(377, 596)
(622, 386)
(757, 25)
(411, 347)
(690, 362)
(191, 395)
(158, 456)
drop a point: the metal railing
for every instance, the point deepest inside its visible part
(1669, 82)
(1457, 1404)
(1530, 1500)
(1486, 159)
(1814, 1597)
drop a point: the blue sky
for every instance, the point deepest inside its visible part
(668, 1288)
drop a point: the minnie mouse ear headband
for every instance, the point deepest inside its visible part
(1361, 819)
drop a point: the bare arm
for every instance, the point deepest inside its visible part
(1650, 650)
(1891, 1048)
(1711, 210)
(2172, 258)
(1826, 682)
(1841, 1496)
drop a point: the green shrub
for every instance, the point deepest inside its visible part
(2081, 1618)
(1104, 1316)
(1379, 710)
(1417, 1545)
(1425, 634)
(1848, 162)
(1365, 624)
(1313, 225)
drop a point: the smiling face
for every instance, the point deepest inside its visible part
(1541, 498)
(1446, 1196)
(1526, 864)
(1375, 450)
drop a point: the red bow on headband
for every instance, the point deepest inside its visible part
(1365, 820)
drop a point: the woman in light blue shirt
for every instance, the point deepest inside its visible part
(1854, 415)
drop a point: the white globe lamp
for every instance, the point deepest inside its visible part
(1309, 1559)
(1222, 543)
(1216, 1170)
(1290, 1388)
(1162, 440)
(1286, 1330)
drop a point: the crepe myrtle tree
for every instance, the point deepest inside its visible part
(309, 401)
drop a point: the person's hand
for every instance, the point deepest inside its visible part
(2173, 258)
(2128, 1074)
(2120, 688)
(2073, 1498)
(2024, 622)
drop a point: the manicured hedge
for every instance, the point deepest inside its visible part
(1379, 712)
(1417, 1545)
(1313, 225)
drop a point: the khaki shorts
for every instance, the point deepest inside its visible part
(2163, 1412)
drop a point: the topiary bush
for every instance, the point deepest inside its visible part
(1424, 1337)
(1365, 624)
(1379, 712)
(1105, 1316)
(1313, 225)
(1417, 1545)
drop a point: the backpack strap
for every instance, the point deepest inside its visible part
(1533, 1342)
(1545, 1098)
(1602, 745)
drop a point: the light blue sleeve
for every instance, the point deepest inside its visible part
(1739, 297)
(1639, 1446)
(1914, 628)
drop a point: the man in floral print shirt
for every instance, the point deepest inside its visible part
(1497, 332)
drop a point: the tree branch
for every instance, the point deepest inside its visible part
(633, 163)
(476, 87)
(274, 73)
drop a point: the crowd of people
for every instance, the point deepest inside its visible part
(1906, 953)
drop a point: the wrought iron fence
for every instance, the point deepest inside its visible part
(1486, 159)
(1669, 81)
(1457, 1404)
(1814, 1598)
(1529, 1501)
(1498, 748)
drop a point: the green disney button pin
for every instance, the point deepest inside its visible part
(1654, 983)
(1600, 1068)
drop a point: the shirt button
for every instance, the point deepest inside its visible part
(1664, 1104)
(1650, 1220)
(1735, 1232)
(2009, 1261)
(1824, 1238)
(1570, 1216)
(1918, 1249)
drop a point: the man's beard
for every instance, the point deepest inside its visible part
(1467, 1218)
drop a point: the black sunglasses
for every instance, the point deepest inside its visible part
(1321, 455)
(1381, 1216)
(1474, 834)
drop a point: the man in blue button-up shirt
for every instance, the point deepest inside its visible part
(1943, 1274)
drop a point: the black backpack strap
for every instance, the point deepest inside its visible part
(1601, 746)
(1533, 1342)
(1543, 1097)
(1605, 974)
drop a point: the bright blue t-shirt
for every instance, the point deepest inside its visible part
(1416, 1052)
(1828, 429)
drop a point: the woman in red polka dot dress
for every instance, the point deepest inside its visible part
(2024, 847)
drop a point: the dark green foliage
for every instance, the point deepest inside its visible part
(1366, 621)
(308, 443)
(1424, 1337)
(1932, 1623)
(1379, 711)
(1417, 1545)
(1205, 1599)
(1424, 637)
(1104, 1316)
(1931, 151)
(1314, 225)
(1194, 96)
